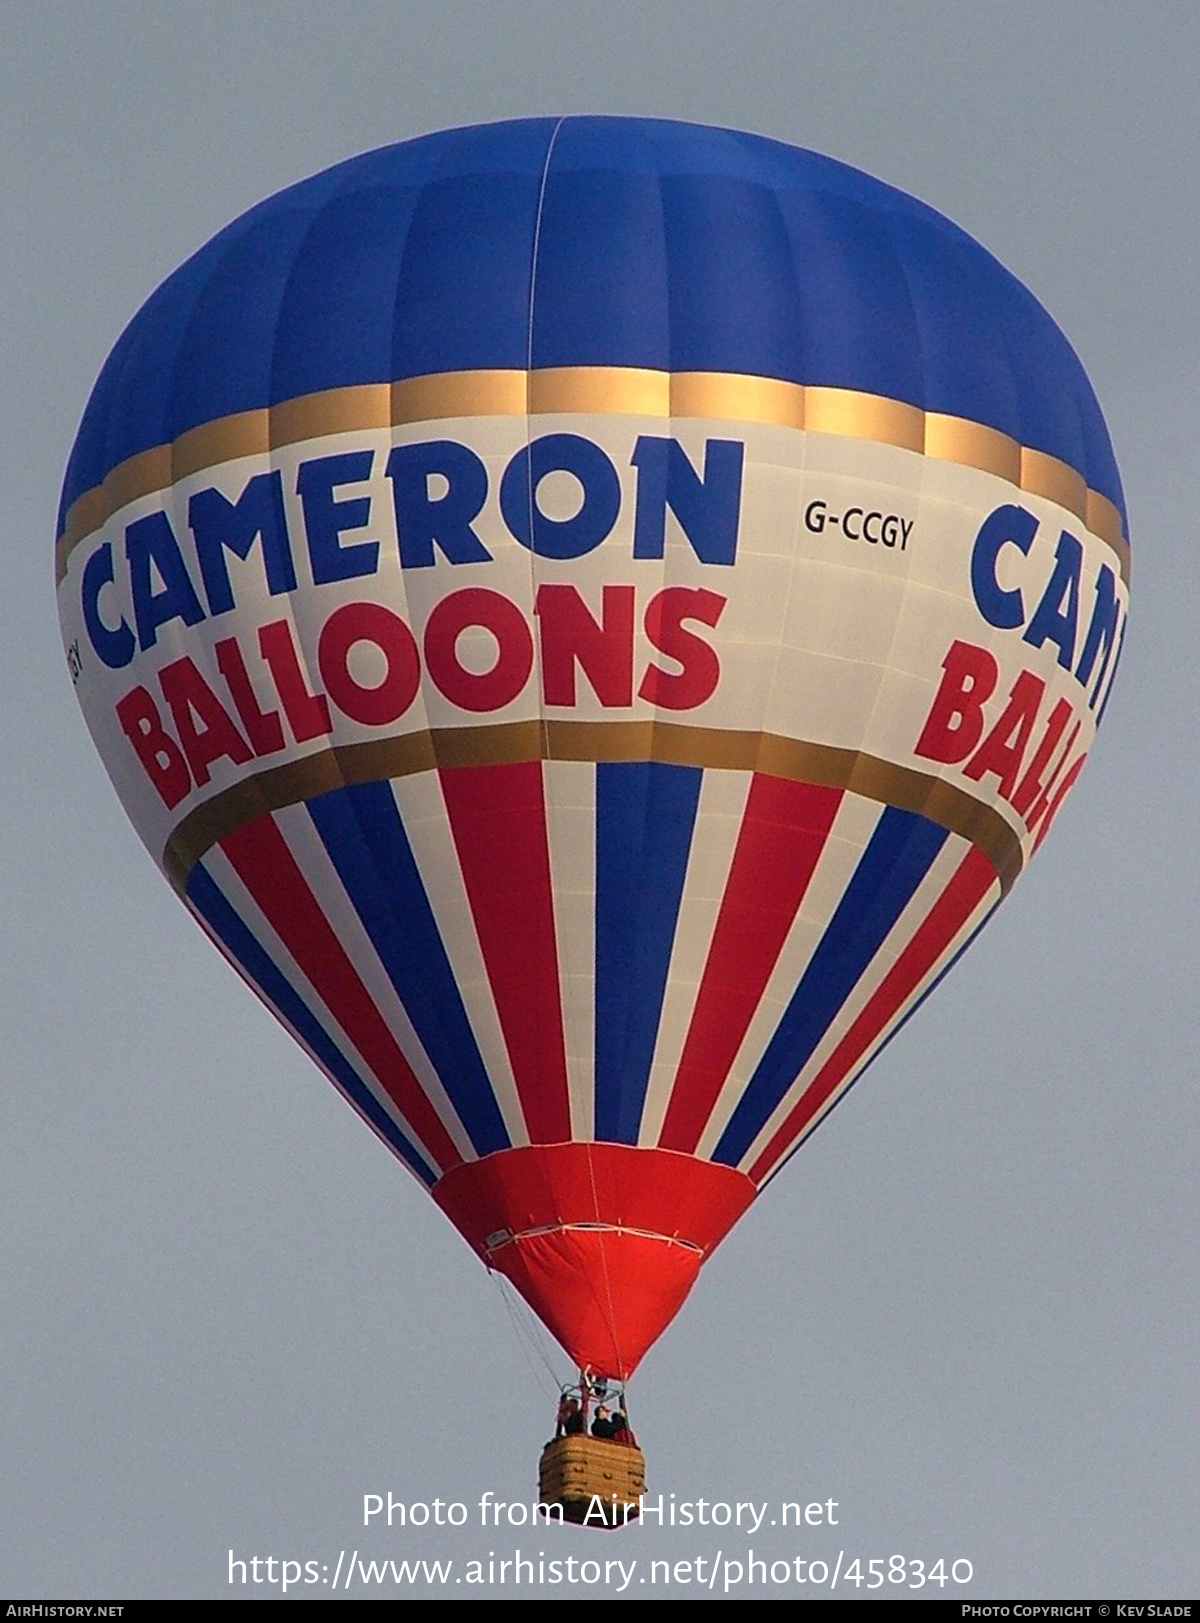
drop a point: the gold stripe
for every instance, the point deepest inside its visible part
(864, 417)
(279, 786)
(1044, 475)
(634, 391)
(136, 476)
(742, 398)
(954, 439)
(1104, 519)
(337, 411)
(670, 742)
(459, 394)
(246, 433)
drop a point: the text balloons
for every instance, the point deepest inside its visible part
(592, 615)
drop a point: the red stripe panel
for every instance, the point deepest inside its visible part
(498, 819)
(782, 835)
(967, 887)
(606, 1293)
(271, 874)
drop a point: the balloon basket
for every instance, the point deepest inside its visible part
(594, 1482)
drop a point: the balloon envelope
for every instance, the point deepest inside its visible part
(592, 615)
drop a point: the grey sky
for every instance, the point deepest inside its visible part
(968, 1309)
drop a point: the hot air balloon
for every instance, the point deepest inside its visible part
(592, 616)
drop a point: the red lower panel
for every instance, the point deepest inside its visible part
(604, 1295)
(606, 1291)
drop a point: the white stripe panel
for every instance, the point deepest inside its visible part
(305, 843)
(225, 877)
(902, 932)
(423, 811)
(570, 791)
(849, 834)
(719, 812)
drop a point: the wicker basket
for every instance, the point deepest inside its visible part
(597, 1483)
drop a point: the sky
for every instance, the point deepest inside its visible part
(967, 1313)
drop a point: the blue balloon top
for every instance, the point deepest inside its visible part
(592, 242)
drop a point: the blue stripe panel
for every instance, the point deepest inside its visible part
(1112, 675)
(897, 858)
(673, 246)
(245, 949)
(363, 833)
(645, 813)
(895, 1031)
